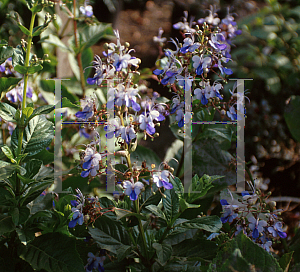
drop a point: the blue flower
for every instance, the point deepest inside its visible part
(101, 71)
(276, 230)
(94, 263)
(189, 45)
(161, 179)
(210, 19)
(128, 133)
(199, 63)
(146, 121)
(88, 106)
(158, 38)
(86, 10)
(233, 115)
(257, 226)
(230, 211)
(16, 94)
(91, 163)
(218, 41)
(77, 218)
(113, 128)
(180, 117)
(132, 189)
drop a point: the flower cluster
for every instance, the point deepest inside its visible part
(206, 48)
(251, 215)
(85, 209)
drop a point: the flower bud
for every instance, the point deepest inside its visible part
(158, 124)
(156, 134)
(105, 46)
(127, 44)
(171, 169)
(223, 112)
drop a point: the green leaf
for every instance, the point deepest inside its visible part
(180, 234)
(156, 211)
(39, 29)
(285, 261)
(209, 223)
(240, 253)
(292, 116)
(34, 191)
(40, 110)
(110, 235)
(38, 134)
(30, 69)
(7, 83)
(18, 56)
(53, 252)
(185, 205)
(208, 158)
(27, 111)
(8, 153)
(202, 248)
(45, 156)
(5, 51)
(6, 224)
(201, 185)
(7, 112)
(20, 215)
(91, 34)
(32, 168)
(7, 169)
(66, 103)
(145, 154)
(87, 57)
(171, 205)
(163, 252)
(54, 40)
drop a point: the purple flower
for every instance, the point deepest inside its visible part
(229, 214)
(233, 115)
(91, 163)
(189, 45)
(132, 189)
(101, 71)
(77, 218)
(16, 94)
(113, 128)
(180, 117)
(88, 109)
(158, 38)
(257, 226)
(146, 121)
(94, 263)
(128, 133)
(218, 41)
(276, 230)
(210, 19)
(161, 179)
(86, 10)
(199, 63)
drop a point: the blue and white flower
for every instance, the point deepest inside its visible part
(16, 94)
(146, 121)
(86, 10)
(276, 230)
(257, 226)
(88, 106)
(161, 179)
(200, 63)
(94, 263)
(128, 133)
(91, 162)
(132, 189)
(189, 45)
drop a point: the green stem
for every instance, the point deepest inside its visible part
(78, 54)
(21, 126)
(141, 229)
(27, 59)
